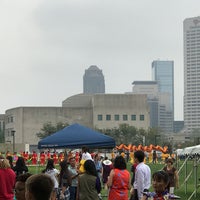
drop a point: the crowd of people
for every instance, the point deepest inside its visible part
(84, 178)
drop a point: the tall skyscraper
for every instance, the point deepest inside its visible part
(191, 28)
(163, 73)
(150, 88)
(93, 81)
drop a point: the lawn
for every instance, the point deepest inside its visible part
(155, 167)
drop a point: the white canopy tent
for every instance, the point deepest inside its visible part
(189, 150)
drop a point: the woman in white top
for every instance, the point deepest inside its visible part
(85, 154)
(52, 172)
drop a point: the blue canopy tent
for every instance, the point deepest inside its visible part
(76, 136)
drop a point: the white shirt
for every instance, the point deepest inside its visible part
(86, 156)
(53, 174)
(142, 178)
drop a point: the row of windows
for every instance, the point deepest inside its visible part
(192, 74)
(193, 65)
(193, 53)
(195, 62)
(192, 71)
(9, 119)
(193, 46)
(193, 34)
(193, 92)
(116, 117)
(192, 43)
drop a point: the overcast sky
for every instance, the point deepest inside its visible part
(46, 45)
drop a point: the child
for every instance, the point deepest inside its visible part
(160, 180)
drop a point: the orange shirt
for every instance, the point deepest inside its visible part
(120, 185)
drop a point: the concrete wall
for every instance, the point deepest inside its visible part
(4, 147)
(120, 104)
(82, 109)
(27, 121)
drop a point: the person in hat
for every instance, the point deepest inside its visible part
(173, 175)
(107, 167)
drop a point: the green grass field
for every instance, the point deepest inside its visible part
(155, 167)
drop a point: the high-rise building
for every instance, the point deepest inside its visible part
(163, 74)
(93, 81)
(150, 88)
(191, 28)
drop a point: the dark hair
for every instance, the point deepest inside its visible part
(20, 162)
(50, 165)
(64, 172)
(161, 175)
(90, 168)
(85, 149)
(40, 185)
(96, 156)
(139, 155)
(119, 163)
(23, 177)
(170, 160)
(20, 167)
(10, 158)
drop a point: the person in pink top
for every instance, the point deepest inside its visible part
(7, 177)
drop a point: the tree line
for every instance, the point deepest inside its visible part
(123, 134)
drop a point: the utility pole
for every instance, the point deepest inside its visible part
(13, 135)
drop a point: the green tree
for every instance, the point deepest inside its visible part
(131, 135)
(153, 136)
(126, 134)
(196, 136)
(48, 129)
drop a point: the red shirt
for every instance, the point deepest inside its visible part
(7, 177)
(120, 185)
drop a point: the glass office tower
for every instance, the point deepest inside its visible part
(93, 81)
(163, 73)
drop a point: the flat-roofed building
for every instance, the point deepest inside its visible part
(100, 111)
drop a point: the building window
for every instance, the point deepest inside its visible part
(141, 117)
(108, 117)
(11, 119)
(116, 117)
(100, 117)
(125, 117)
(133, 117)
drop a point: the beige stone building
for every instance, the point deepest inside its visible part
(95, 111)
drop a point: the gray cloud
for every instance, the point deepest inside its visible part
(46, 45)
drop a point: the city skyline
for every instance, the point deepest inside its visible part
(46, 46)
